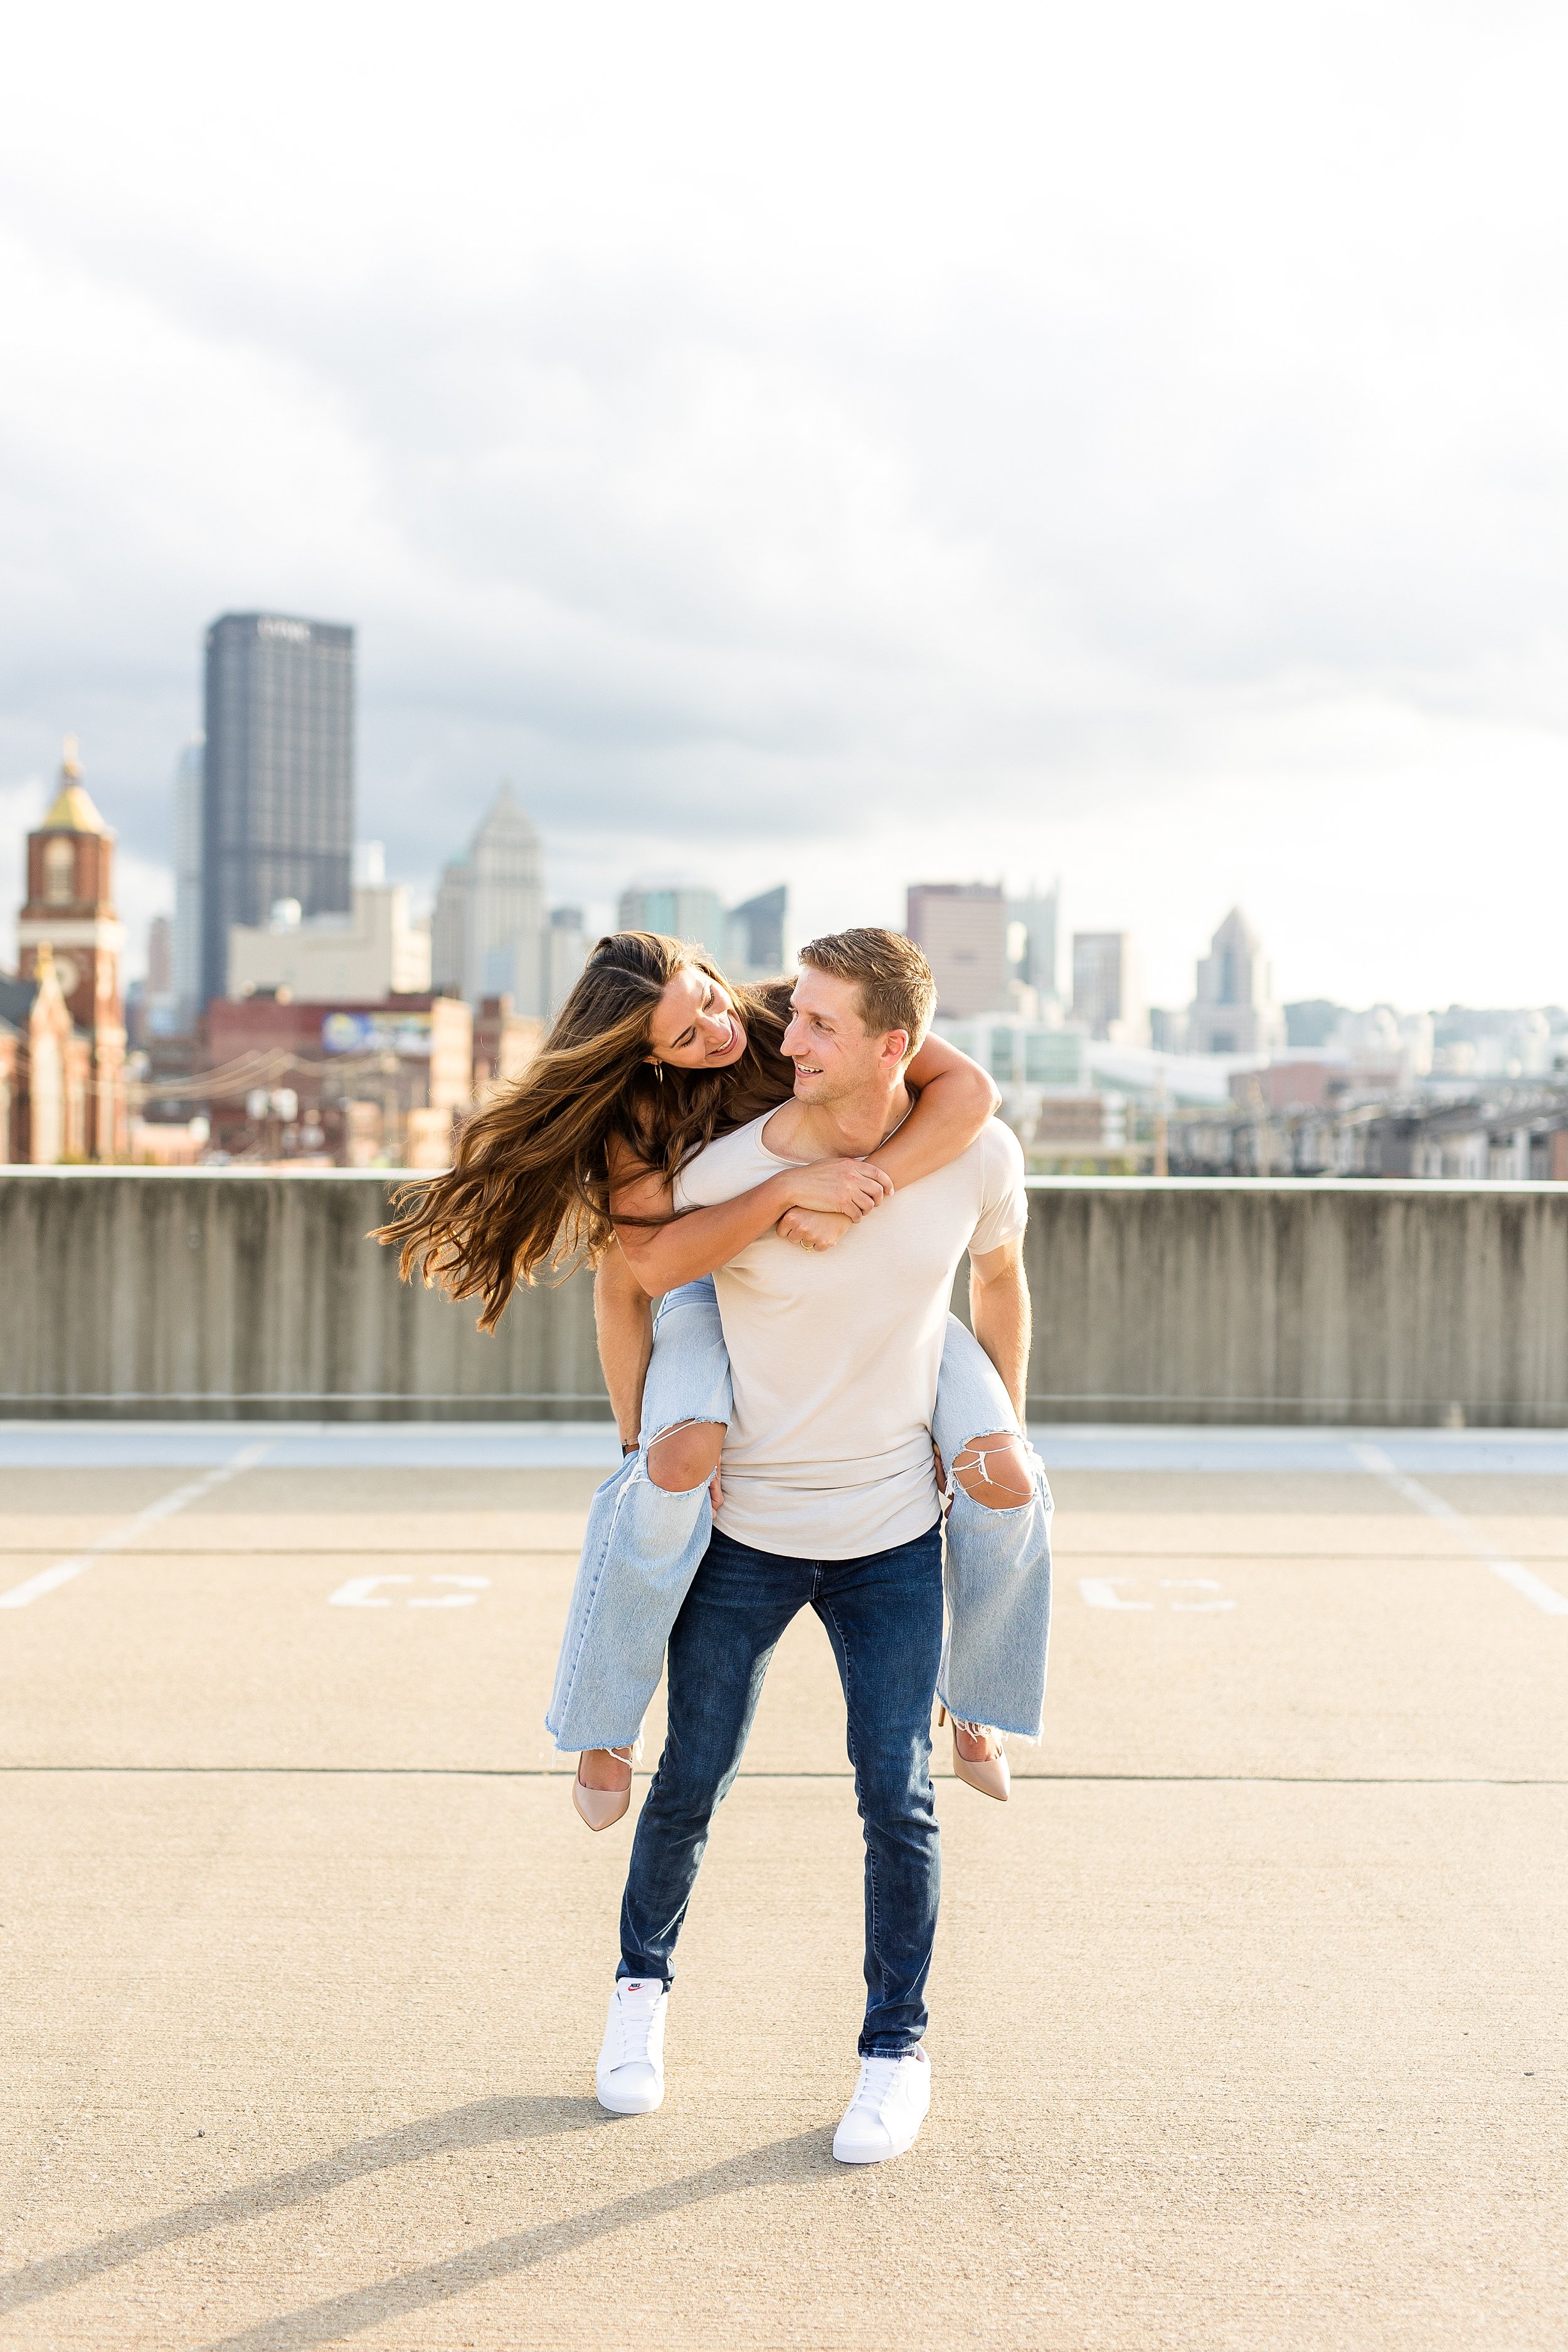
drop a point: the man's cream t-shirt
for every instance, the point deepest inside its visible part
(835, 1353)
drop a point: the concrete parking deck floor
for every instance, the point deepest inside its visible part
(1247, 2012)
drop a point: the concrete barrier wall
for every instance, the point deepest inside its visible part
(221, 1293)
(1374, 1303)
(175, 1293)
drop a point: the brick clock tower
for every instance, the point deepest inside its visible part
(70, 910)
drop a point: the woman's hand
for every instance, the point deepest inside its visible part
(847, 1188)
(813, 1229)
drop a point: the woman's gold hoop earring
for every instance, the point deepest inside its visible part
(658, 1072)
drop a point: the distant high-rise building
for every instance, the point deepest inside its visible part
(1167, 1029)
(567, 950)
(185, 980)
(681, 910)
(506, 908)
(449, 930)
(278, 775)
(1234, 1011)
(1312, 1021)
(1039, 918)
(961, 930)
(489, 932)
(1107, 989)
(152, 1007)
(160, 956)
(377, 951)
(755, 943)
(747, 941)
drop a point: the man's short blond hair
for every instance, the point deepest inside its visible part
(897, 990)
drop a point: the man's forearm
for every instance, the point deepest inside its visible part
(623, 1321)
(1000, 1313)
(698, 1242)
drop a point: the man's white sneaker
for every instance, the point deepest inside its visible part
(630, 2075)
(890, 2105)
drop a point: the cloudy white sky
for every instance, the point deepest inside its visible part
(857, 444)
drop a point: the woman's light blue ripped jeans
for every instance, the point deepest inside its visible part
(644, 1546)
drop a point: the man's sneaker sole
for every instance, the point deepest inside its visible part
(875, 2155)
(629, 2101)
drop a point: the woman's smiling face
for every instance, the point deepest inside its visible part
(695, 1023)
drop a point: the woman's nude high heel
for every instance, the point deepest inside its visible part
(989, 1774)
(601, 1807)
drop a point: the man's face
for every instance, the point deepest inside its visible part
(828, 1042)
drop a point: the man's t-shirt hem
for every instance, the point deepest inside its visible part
(933, 1521)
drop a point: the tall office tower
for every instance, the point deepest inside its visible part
(185, 980)
(1234, 1011)
(489, 933)
(1040, 917)
(961, 929)
(1107, 988)
(755, 936)
(278, 800)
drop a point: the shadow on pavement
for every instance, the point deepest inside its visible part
(804, 2158)
(477, 2126)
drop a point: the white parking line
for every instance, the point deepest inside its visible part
(466, 1600)
(1512, 1572)
(1100, 1592)
(1208, 1584)
(362, 1592)
(1104, 1591)
(49, 1580)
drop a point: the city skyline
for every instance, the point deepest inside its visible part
(149, 886)
(21, 809)
(1013, 499)
(1255, 1087)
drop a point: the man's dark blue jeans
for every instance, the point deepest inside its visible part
(883, 1617)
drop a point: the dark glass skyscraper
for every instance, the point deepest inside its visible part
(279, 789)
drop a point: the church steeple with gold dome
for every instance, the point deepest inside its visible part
(73, 811)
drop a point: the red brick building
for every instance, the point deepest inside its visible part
(504, 1044)
(44, 1071)
(62, 1019)
(386, 1078)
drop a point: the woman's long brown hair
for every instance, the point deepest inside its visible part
(531, 1183)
